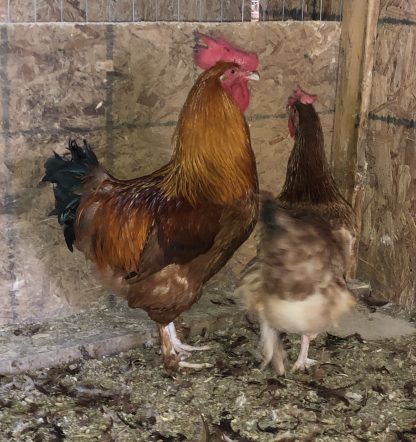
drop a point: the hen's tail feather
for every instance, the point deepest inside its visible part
(67, 174)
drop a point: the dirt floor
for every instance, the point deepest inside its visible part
(361, 391)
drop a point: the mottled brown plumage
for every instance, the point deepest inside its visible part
(295, 284)
(157, 239)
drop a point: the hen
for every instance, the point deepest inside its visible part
(309, 182)
(157, 239)
(296, 283)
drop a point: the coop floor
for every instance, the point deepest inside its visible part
(364, 389)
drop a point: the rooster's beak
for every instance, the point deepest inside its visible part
(253, 76)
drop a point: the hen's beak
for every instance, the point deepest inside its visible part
(253, 76)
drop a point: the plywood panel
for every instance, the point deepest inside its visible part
(190, 10)
(98, 10)
(3, 11)
(62, 84)
(389, 229)
(121, 10)
(74, 10)
(298, 9)
(145, 11)
(60, 77)
(212, 10)
(48, 10)
(22, 11)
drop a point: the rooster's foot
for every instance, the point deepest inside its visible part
(178, 346)
(175, 352)
(184, 364)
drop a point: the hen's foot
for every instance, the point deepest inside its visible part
(303, 362)
(303, 365)
(272, 348)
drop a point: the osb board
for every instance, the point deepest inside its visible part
(389, 230)
(397, 10)
(3, 10)
(74, 10)
(32, 11)
(58, 88)
(193, 10)
(292, 9)
(22, 11)
(62, 83)
(48, 10)
(167, 10)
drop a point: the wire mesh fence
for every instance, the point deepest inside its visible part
(109, 11)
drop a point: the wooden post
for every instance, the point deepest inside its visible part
(360, 182)
(358, 34)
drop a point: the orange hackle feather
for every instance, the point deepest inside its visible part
(212, 163)
(211, 160)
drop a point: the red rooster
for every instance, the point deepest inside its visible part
(296, 283)
(157, 239)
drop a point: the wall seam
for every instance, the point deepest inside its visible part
(109, 121)
(9, 200)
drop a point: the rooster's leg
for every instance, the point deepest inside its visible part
(303, 361)
(174, 352)
(272, 348)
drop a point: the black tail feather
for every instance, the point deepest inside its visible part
(67, 173)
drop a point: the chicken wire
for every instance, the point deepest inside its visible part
(113, 11)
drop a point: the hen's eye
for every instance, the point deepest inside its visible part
(227, 49)
(233, 71)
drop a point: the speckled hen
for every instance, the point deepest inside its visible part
(297, 282)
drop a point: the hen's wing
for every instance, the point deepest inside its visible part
(298, 252)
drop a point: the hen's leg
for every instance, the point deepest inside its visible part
(174, 352)
(272, 349)
(303, 361)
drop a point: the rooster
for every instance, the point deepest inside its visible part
(296, 283)
(155, 240)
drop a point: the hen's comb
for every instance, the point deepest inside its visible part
(301, 96)
(208, 51)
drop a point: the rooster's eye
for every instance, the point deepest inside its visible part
(233, 71)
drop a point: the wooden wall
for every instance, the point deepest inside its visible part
(121, 87)
(387, 250)
(31, 11)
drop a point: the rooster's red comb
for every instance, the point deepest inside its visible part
(208, 51)
(301, 96)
